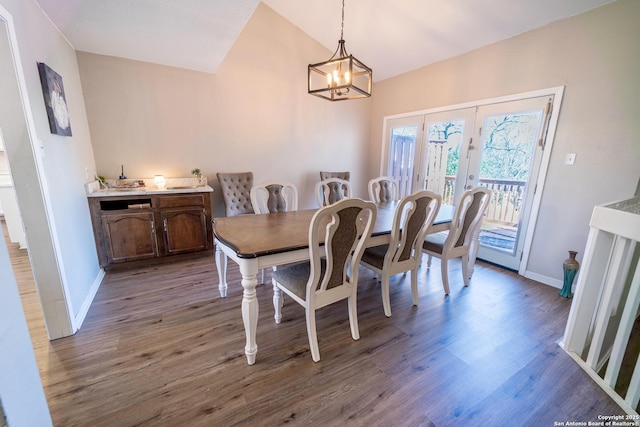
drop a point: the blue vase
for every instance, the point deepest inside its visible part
(570, 268)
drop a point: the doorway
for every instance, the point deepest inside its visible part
(498, 144)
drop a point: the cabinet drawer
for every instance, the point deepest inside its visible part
(177, 201)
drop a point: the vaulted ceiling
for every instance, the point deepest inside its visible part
(390, 36)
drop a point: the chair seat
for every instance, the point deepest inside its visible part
(294, 277)
(435, 242)
(375, 256)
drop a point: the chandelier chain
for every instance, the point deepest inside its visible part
(342, 26)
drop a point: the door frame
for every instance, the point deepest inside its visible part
(549, 130)
(45, 258)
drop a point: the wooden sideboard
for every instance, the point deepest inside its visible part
(140, 228)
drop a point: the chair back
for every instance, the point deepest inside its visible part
(236, 189)
(273, 197)
(414, 215)
(383, 189)
(342, 175)
(337, 238)
(331, 190)
(467, 218)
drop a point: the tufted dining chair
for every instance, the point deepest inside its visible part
(342, 175)
(383, 189)
(337, 238)
(331, 190)
(236, 189)
(458, 242)
(411, 221)
(274, 196)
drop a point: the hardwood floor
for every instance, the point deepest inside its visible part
(160, 348)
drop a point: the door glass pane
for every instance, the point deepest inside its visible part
(401, 161)
(508, 149)
(443, 155)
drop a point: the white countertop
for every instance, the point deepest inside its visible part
(173, 186)
(141, 191)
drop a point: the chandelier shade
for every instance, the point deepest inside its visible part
(341, 77)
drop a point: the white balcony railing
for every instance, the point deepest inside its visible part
(506, 200)
(606, 302)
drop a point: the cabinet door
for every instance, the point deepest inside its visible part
(130, 236)
(185, 230)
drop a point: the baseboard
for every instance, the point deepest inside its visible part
(84, 309)
(543, 279)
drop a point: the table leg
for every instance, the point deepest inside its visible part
(221, 266)
(249, 271)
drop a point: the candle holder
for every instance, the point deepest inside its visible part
(159, 181)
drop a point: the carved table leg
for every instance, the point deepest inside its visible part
(221, 266)
(278, 301)
(249, 270)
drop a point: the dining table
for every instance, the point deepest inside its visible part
(261, 241)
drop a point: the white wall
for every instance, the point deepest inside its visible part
(49, 175)
(254, 114)
(595, 56)
(21, 392)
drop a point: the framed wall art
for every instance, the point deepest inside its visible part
(55, 100)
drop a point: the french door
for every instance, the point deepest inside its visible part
(507, 158)
(496, 145)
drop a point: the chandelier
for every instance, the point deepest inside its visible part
(342, 76)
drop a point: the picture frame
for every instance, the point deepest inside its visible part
(55, 100)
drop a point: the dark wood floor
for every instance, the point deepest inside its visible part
(159, 347)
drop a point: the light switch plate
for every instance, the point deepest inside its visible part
(570, 159)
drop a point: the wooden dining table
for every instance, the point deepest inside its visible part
(260, 241)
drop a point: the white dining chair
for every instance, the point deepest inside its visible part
(458, 242)
(337, 238)
(331, 190)
(411, 221)
(383, 189)
(273, 197)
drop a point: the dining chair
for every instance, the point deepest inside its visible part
(412, 218)
(383, 189)
(337, 238)
(462, 237)
(235, 189)
(342, 175)
(331, 190)
(273, 197)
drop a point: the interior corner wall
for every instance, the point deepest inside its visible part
(253, 114)
(48, 172)
(594, 56)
